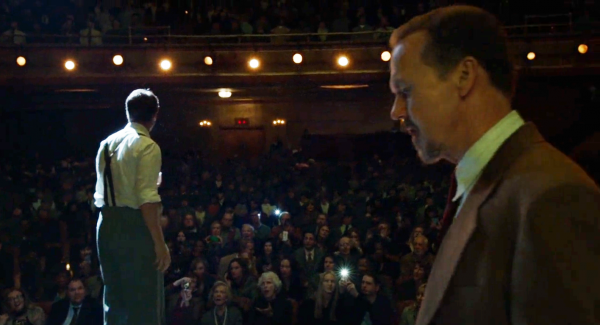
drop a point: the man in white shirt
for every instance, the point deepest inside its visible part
(522, 241)
(131, 247)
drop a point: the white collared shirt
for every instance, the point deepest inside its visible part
(71, 313)
(135, 166)
(471, 166)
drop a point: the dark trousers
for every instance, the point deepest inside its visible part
(133, 287)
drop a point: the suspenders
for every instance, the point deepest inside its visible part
(108, 179)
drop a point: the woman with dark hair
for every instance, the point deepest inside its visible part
(20, 310)
(322, 309)
(292, 286)
(325, 240)
(242, 283)
(268, 260)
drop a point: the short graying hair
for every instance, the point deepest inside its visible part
(220, 284)
(270, 276)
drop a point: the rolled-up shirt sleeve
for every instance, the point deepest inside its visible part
(146, 179)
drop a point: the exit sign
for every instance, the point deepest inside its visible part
(242, 122)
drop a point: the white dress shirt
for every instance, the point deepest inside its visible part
(471, 166)
(71, 313)
(135, 165)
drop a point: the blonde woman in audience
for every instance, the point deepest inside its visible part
(323, 308)
(409, 315)
(221, 314)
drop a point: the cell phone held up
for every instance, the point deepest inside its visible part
(284, 236)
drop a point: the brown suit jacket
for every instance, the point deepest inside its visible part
(525, 247)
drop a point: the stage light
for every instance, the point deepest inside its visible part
(254, 63)
(530, 56)
(21, 61)
(118, 59)
(582, 48)
(278, 122)
(70, 65)
(165, 65)
(343, 61)
(68, 267)
(386, 56)
(224, 93)
(205, 123)
(297, 58)
(208, 60)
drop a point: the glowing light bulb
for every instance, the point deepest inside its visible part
(254, 63)
(21, 61)
(297, 58)
(343, 61)
(118, 59)
(530, 56)
(165, 65)
(582, 48)
(386, 56)
(69, 65)
(208, 60)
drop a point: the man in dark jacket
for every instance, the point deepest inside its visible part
(76, 309)
(368, 307)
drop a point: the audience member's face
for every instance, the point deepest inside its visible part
(198, 249)
(420, 246)
(236, 271)
(227, 220)
(328, 264)
(309, 241)
(16, 301)
(268, 248)
(255, 218)
(329, 283)
(188, 221)
(215, 229)
(384, 230)
(379, 252)
(310, 207)
(368, 286)
(249, 249)
(321, 220)
(363, 266)
(285, 218)
(324, 232)
(247, 233)
(199, 270)
(285, 268)
(61, 280)
(355, 237)
(417, 232)
(220, 295)
(180, 237)
(347, 220)
(345, 246)
(418, 273)
(76, 292)
(268, 288)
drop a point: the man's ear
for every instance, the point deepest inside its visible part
(465, 75)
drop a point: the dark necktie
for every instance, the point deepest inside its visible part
(75, 314)
(449, 212)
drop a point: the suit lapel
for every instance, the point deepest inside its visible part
(465, 223)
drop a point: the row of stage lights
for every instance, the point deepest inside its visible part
(206, 123)
(254, 63)
(166, 64)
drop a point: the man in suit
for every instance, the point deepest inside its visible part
(76, 309)
(523, 245)
(309, 257)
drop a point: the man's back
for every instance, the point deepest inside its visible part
(134, 156)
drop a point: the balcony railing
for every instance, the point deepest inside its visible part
(161, 36)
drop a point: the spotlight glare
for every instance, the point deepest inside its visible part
(21, 61)
(386, 56)
(70, 65)
(224, 93)
(530, 56)
(254, 63)
(582, 48)
(208, 60)
(277, 212)
(297, 58)
(118, 59)
(165, 65)
(343, 61)
(344, 273)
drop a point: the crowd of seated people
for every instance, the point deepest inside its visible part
(61, 21)
(279, 240)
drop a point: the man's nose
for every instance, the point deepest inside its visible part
(398, 109)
